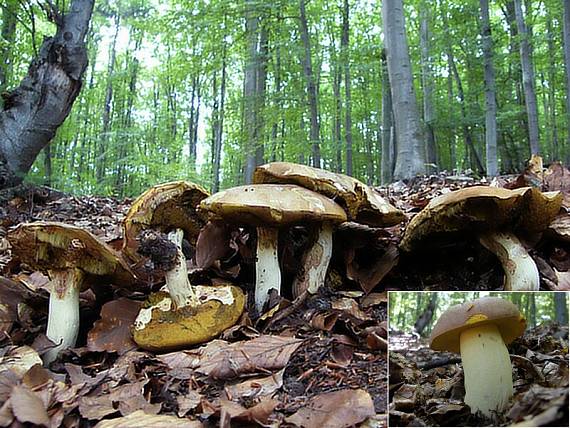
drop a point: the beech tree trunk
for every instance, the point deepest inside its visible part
(528, 80)
(250, 87)
(490, 100)
(314, 134)
(386, 166)
(410, 156)
(555, 145)
(347, 97)
(7, 38)
(219, 126)
(33, 111)
(561, 308)
(566, 36)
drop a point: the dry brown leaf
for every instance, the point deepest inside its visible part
(28, 407)
(339, 409)
(563, 281)
(11, 295)
(141, 419)
(221, 360)
(369, 274)
(187, 401)
(112, 333)
(20, 360)
(213, 244)
(258, 387)
(350, 307)
(259, 413)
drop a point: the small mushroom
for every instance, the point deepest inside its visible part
(480, 331)
(269, 207)
(495, 216)
(187, 315)
(68, 254)
(361, 202)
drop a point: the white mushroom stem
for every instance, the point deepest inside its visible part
(267, 272)
(521, 273)
(63, 316)
(487, 369)
(179, 287)
(315, 262)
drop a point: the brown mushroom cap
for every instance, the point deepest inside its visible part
(362, 203)
(486, 310)
(481, 208)
(164, 207)
(57, 246)
(272, 205)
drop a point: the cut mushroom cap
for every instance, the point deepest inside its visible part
(160, 327)
(493, 214)
(362, 203)
(164, 208)
(68, 254)
(268, 207)
(479, 330)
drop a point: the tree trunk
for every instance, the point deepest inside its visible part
(566, 36)
(250, 87)
(219, 127)
(427, 87)
(554, 151)
(561, 308)
(528, 80)
(410, 157)
(8, 37)
(490, 100)
(387, 125)
(426, 317)
(314, 134)
(34, 110)
(344, 44)
(191, 142)
(260, 87)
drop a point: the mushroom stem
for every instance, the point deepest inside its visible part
(521, 273)
(267, 272)
(315, 262)
(487, 369)
(63, 316)
(179, 287)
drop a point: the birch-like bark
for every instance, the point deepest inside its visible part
(410, 157)
(528, 80)
(490, 101)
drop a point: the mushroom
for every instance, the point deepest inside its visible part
(69, 255)
(480, 331)
(187, 314)
(495, 216)
(361, 202)
(269, 207)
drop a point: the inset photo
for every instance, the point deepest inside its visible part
(478, 359)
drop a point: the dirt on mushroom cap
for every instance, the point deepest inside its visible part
(164, 207)
(480, 208)
(52, 246)
(272, 205)
(486, 310)
(361, 202)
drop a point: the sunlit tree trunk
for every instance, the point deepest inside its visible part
(490, 101)
(427, 87)
(528, 80)
(314, 134)
(566, 37)
(387, 125)
(34, 110)
(8, 36)
(410, 157)
(219, 126)
(344, 43)
(250, 87)
(560, 307)
(261, 84)
(554, 152)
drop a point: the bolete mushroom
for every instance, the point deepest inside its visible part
(480, 331)
(269, 207)
(68, 254)
(495, 216)
(187, 315)
(361, 202)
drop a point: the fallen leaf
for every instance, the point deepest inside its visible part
(112, 333)
(339, 409)
(20, 360)
(349, 307)
(369, 274)
(213, 244)
(221, 360)
(187, 401)
(563, 281)
(258, 387)
(28, 407)
(142, 419)
(259, 413)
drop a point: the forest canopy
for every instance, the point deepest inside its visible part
(200, 90)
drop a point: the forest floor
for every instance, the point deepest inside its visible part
(321, 363)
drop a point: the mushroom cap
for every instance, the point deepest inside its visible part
(57, 246)
(482, 208)
(163, 329)
(486, 310)
(361, 202)
(272, 205)
(164, 207)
